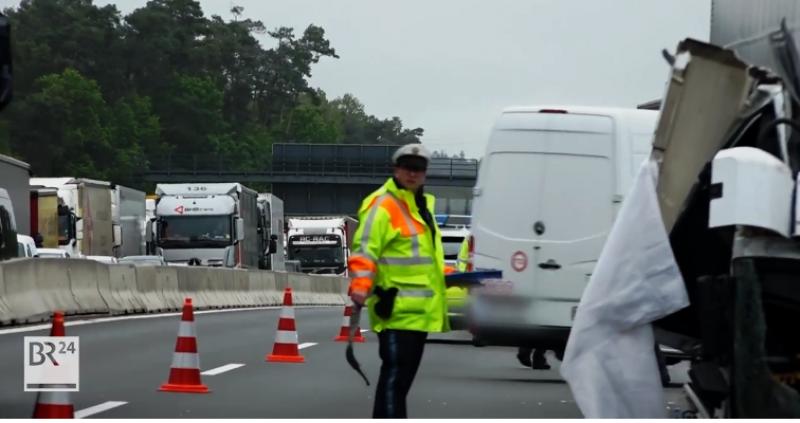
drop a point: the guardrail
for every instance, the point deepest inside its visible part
(213, 164)
(31, 289)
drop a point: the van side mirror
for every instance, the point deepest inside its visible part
(239, 229)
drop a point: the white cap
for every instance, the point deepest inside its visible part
(411, 150)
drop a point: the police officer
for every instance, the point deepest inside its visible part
(397, 271)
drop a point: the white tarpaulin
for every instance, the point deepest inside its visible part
(609, 361)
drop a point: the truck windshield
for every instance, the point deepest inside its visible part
(195, 231)
(316, 254)
(64, 223)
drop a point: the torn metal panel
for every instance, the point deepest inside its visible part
(708, 89)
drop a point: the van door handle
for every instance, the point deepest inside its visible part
(550, 265)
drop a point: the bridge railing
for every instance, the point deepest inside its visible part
(211, 164)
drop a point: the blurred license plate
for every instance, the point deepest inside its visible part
(489, 309)
(496, 287)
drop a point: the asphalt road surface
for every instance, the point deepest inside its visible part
(123, 363)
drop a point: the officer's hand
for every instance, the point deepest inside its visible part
(358, 297)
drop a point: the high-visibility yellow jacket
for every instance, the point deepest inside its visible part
(394, 247)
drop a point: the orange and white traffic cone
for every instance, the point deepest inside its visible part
(54, 405)
(184, 374)
(285, 349)
(344, 332)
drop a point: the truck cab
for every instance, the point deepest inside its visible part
(320, 244)
(213, 224)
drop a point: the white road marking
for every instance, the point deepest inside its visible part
(86, 412)
(306, 345)
(45, 326)
(364, 330)
(222, 369)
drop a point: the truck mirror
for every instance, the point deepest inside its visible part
(148, 231)
(273, 244)
(78, 228)
(230, 258)
(239, 229)
(117, 235)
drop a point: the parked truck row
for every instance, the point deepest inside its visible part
(182, 224)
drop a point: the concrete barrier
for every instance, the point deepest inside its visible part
(115, 303)
(329, 290)
(167, 279)
(31, 289)
(262, 285)
(282, 282)
(122, 281)
(200, 285)
(241, 286)
(219, 291)
(34, 288)
(85, 286)
(150, 290)
(301, 288)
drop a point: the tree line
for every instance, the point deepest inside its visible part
(106, 96)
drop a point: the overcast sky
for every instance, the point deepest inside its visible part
(451, 66)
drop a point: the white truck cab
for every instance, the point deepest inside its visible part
(321, 244)
(548, 190)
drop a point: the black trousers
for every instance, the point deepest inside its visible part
(401, 352)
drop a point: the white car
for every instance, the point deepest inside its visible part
(52, 253)
(26, 246)
(102, 259)
(143, 260)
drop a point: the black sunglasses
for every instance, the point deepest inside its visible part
(413, 167)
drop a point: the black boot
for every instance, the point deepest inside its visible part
(539, 360)
(524, 356)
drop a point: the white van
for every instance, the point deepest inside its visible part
(548, 190)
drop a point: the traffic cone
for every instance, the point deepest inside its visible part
(58, 324)
(54, 405)
(285, 348)
(184, 375)
(344, 332)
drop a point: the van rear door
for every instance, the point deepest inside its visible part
(546, 205)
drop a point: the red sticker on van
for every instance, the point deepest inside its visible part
(519, 261)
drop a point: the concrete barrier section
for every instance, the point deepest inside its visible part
(37, 287)
(122, 281)
(31, 289)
